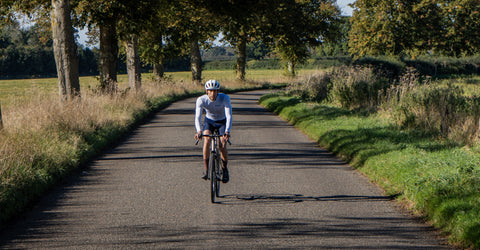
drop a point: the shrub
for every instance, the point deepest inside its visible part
(357, 87)
(387, 67)
(313, 88)
(418, 104)
(440, 66)
(218, 65)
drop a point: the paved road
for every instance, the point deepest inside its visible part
(285, 192)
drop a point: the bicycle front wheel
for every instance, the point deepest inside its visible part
(218, 175)
(213, 177)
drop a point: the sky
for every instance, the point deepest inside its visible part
(343, 4)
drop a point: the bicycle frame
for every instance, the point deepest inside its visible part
(214, 165)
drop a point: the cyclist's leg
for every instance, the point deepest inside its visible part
(223, 151)
(224, 154)
(207, 128)
(223, 142)
(206, 148)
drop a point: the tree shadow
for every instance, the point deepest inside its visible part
(243, 199)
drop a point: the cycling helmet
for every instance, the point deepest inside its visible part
(212, 85)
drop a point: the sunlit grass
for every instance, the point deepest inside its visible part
(469, 84)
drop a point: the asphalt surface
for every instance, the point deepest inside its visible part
(284, 192)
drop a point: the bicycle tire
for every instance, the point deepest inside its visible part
(218, 171)
(213, 177)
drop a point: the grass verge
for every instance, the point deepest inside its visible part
(436, 178)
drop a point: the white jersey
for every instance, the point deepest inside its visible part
(218, 110)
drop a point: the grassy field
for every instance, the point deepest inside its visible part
(14, 91)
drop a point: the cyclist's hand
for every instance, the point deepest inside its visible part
(198, 136)
(226, 136)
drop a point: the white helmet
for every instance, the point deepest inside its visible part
(212, 85)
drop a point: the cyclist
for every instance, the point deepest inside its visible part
(218, 115)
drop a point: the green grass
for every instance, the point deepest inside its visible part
(438, 179)
(469, 84)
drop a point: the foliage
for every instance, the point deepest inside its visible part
(357, 87)
(418, 27)
(434, 66)
(445, 110)
(388, 67)
(315, 88)
(26, 52)
(411, 100)
(393, 26)
(257, 50)
(352, 88)
(337, 47)
(462, 29)
(303, 24)
(445, 66)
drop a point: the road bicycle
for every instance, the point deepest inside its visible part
(215, 172)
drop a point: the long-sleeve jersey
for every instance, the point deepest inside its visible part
(218, 110)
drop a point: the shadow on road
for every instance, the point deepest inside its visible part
(282, 198)
(336, 232)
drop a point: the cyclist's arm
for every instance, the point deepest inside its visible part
(228, 115)
(198, 115)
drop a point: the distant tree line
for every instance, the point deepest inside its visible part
(25, 53)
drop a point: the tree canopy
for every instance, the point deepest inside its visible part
(395, 27)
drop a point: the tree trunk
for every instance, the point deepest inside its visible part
(108, 56)
(242, 57)
(291, 68)
(158, 71)
(65, 50)
(1, 120)
(133, 64)
(196, 63)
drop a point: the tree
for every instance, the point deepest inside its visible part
(192, 24)
(103, 15)
(257, 50)
(65, 50)
(63, 40)
(462, 26)
(154, 44)
(240, 21)
(133, 63)
(301, 24)
(396, 27)
(135, 21)
(372, 30)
